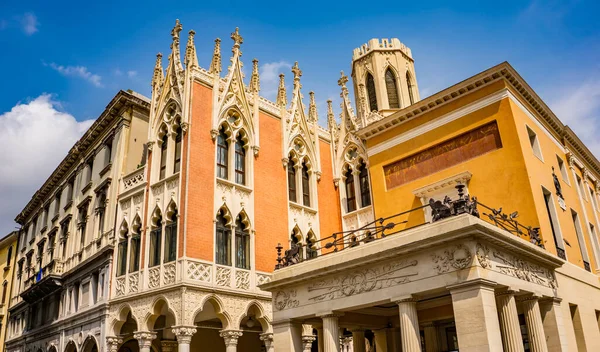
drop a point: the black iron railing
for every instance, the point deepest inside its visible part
(383, 227)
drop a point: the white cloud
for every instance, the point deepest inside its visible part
(269, 77)
(131, 74)
(579, 107)
(77, 71)
(29, 23)
(35, 137)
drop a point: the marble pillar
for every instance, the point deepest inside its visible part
(552, 318)
(184, 334)
(358, 340)
(509, 321)
(331, 337)
(535, 326)
(144, 339)
(112, 343)
(409, 326)
(231, 339)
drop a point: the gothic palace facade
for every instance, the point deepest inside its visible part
(159, 229)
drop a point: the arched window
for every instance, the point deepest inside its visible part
(134, 254)
(156, 241)
(222, 152)
(410, 88)
(311, 249)
(122, 252)
(242, 244)
(4, 288)
(171, 238)
(305, 185)
(223, 249)
(177, 161)
(365, 189)
(291, 171)
(350, 191)
(295, 242)
(371, 93)
(163, 157)
(392, 90)
(240, 161)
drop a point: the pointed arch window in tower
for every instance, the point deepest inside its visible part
(242, 244)
(371, 93)
(171, 239)
(291, 171)
(305, 185)
(365, 189)
(177, 161)
(155, 242)
(240, 161)
(122, 253)
(223, 250)
(163, 157)
(392, 89)
(410, 88)
(222, 152)
(350, 192)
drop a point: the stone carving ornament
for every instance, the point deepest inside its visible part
(483, 256)
(524, 270)
(456, 257)
(223, 276)
(154, 277)
(285, 299)
(169, 273)
(120, 286)
(242, 280)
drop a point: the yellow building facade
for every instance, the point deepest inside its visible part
(7, 261)
(486, 225)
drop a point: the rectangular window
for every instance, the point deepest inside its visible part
(76, 298)
(121, 255)
(594, 200)
(580, 187)
(580, 240)
(554, 226)
(291, 182)
(535, 143)
(222, 151)
(89, 170)
(223, 246)
(305, 186)
(57, 203)
(134, 255)
(350, 193)
(94, 287)
(578, 327)
(240, 163)
(46, 214)
(563, 169)
(365, 189)
(170, 242)
(177, 163)
(64, 237)
(155, 244)
(108, 152)
(83, 225)
(163, 159)
(242, 249)
(33, 229)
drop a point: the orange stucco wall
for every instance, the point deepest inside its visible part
(270, 197)
(199, 228)
(330, 217)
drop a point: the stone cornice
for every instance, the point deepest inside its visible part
(82, 148)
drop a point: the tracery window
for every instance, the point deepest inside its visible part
(350, 191)
(305, 185)
(242, 244)
(222, 152)
(163, 157)
(311, 250)
(134, 251)
(392, 90)
(410, 88)
(122, 252)
(240, 161)
(156, 241)
(177, 160)
(291, 171)
(223, 240)
(295, 242)
(171, 239)
(365, 189)
(371, 93)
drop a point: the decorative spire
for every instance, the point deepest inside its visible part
(312, 108)
(297, 73)
(331, 123)
(158, 76)
(175, 54)
(191, 59)
(215, 64)
(254, 80)
(281, 94)
(237, 39)
(175, 32)
(342, 83)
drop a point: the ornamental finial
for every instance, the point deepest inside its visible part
(158, 76)
(237, 38)
(281, 93)
(191, 59)
(254, 80)
(330, 115)
(215, 64)
(296, 71)
(342, 83)
(175, 32)
(312, 108)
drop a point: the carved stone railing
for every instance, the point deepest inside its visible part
(227, 277)
(134, 179)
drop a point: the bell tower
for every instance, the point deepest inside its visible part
(383, 73)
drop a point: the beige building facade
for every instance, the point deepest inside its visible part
(7, 263)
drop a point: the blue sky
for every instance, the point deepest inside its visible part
(63, 61)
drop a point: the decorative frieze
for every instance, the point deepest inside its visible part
(242, 279)
(199, 271)
(169, 273)
(223, 276)
(456, 257)
(285, 300)
(154, 277)
(120, 286)
(134, 280)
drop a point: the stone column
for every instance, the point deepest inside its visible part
(320, 338)
(535, 327)
(358, 340)
(231, 339)
(431, 337)
(112, 343)
(409, 325)
(169, 346)
(144, 339)
(267, 339)
(509, 321)
(184, 337)
(287, 336)
(476, 316)
(307, 342)
(554, 327)
(380, 340)
(331, 337)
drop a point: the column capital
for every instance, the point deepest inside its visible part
(469, 285)
(169, 345)
(527, 298)
(113, 343)
(230, 336)
(330, 315)
(307, 341)
(266, 337)
(144, 338)
(405, 299)
(184, 333)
